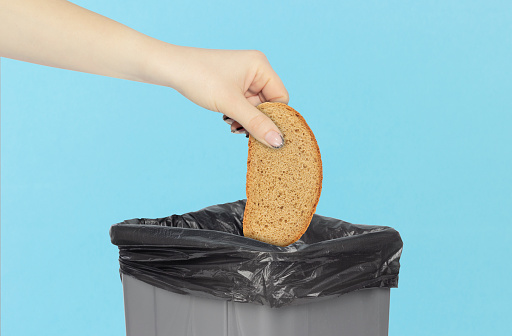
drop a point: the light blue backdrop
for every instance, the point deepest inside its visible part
(411, 106)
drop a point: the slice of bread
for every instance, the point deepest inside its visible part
(283, 185)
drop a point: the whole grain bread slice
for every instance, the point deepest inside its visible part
(283, 185)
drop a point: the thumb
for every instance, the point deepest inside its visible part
(261, 127)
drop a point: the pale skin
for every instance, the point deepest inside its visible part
(60, 34)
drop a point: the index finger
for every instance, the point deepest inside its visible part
(274, 89)
(266, 86)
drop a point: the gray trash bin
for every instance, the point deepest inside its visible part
(196, 275)
(151, 311)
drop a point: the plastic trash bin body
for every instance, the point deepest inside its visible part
(151, 311)
(196, 274)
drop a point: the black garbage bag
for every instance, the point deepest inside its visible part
(204, 253)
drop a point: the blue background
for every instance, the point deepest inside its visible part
(411, 106)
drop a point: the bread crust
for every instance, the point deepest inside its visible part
(252, 152)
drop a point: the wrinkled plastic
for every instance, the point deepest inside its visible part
(204, 253)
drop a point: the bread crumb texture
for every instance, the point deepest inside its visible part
(283, 185)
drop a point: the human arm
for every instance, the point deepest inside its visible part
(61, 34)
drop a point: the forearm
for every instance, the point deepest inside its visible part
(61, 34)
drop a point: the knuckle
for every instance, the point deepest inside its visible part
(259, 55)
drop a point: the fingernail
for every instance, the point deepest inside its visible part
(238, 130)
(227, 119)
(274, 139)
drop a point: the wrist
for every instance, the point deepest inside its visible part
(162, 63)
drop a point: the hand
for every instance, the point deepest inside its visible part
(233, 83)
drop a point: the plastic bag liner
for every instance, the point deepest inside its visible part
(204, 253)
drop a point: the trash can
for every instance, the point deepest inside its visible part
(195, 275)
